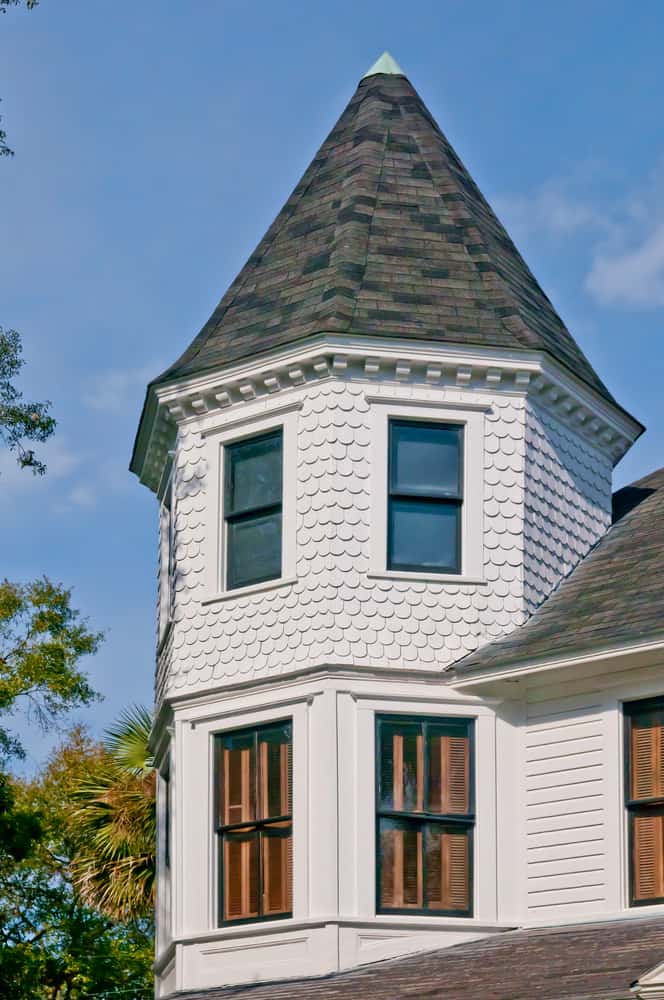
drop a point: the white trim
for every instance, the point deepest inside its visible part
(383, 408)
(525, 670)
(216, 438)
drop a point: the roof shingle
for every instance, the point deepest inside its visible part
(386, 234)
(614, 597)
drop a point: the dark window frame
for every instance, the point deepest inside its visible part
(637, 807)
(421, 819)
(450, 500)
(245, 514)
(256, 824)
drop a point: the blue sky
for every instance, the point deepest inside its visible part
(156, 141)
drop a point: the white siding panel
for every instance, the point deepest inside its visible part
(566, 853)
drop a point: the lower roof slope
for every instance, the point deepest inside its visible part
(386, 234)
(580, 962)
(614, 597)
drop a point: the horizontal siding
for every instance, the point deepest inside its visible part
(566, 857)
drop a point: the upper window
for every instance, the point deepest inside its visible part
(425, 484)
(425, 815)
(253, 509)
(255, 822)
(644, 795)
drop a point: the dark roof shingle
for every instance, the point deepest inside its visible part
(386, 234)
(614, 597)
(578, 962)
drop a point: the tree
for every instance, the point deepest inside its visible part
(114, 869)
(52, 944)
(20, 421)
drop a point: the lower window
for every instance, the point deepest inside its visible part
(425, 816)
(255, 823)
(644, 797)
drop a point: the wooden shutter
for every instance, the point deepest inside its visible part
(647, 756)
(240, 876)
(275, 778)
(449, 774)
(408, 771)
(400, 867)
(277, 870)
(648, 848)
(238, 785)
(448, 869)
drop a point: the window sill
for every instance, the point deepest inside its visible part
(253, 588)
(456, 578)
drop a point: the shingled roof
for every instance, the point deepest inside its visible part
(578, 962)
(386, 234)
(614, 597)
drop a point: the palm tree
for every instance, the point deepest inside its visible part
(114, 823)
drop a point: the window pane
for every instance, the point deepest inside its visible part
(425, 459)
(448, 751)
(400, 861)
(274, 754)
(254, 549)
(401, 767)
(237, 779)
(240, 863)
(424, 536)
(277, 851)
(253, 473)
(447, 867)
(648, 854)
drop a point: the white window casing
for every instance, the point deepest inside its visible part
(216, 441)
(472, 510)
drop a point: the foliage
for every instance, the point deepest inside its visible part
(114, 869)
(52, 945)
(42, 639)
(20, 422)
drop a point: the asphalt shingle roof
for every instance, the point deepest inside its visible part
(386, 234)
(578, 962)
(614, 597)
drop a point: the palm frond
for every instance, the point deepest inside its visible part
(127, 740)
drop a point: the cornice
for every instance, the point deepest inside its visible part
(374, 361)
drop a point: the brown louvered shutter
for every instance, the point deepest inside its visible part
(401, 866)
(238, 785)
(240, 876)
(277, 870)
(647, 756)
(448, 869)
(449, 774)
(648, 846)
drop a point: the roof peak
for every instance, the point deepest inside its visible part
(385, 64)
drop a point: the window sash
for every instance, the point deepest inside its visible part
(251, 513)
(441, 499)
(410, 808)
(644, 799)
(255, 829)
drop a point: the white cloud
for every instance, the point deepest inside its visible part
(83, 496)
(114, 391)
(61, 460)
(631, 277)
(553, 209)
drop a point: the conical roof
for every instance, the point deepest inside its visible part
(386, 234)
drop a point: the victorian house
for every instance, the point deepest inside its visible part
(410, 659)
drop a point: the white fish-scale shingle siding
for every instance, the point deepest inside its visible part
(567, 493)
(335, 611)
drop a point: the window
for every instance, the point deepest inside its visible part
(425, 815)
(253, 509)
(255, 822)
(425, 485)
(644, 796)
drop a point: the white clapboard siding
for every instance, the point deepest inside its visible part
(565, 807)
